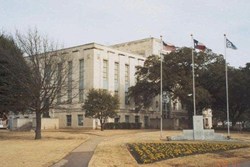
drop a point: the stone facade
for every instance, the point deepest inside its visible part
(112, 68)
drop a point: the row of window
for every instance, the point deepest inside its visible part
(81, 80)
(127, 119)
(137, 120)
(79, 120)
(175, 106)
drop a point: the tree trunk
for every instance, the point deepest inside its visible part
(101, 125)
(38, 126)
(233, 122)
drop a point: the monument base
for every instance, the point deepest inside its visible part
(198, 132)
(206, 134)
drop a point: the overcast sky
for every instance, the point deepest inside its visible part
(76, 22)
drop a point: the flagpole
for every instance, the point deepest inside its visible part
(228, 125)
(193, 74)
(161, 84)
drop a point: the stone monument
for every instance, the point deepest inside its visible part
(198, 132)
(207, 118)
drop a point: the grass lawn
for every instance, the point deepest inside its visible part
(115, 153)
(19, 149)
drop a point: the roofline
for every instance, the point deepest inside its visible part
(93, 43)
(72, 47)
(134, 41)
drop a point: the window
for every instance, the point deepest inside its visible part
(175, 105)
(117, 119)
(46, 103)
(116, 93)
(47, 73)
(126, 98)
(59, 81)
(127, 118)
(146, 122)
(80, 119)
(70, 70)
(126, 77)
(68, 120)
(105, 74)
(137, 119)
(116, 76)
(81, 80)
(156, 104)
(180, 106)
(126, 84)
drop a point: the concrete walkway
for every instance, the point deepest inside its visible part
(81, 156)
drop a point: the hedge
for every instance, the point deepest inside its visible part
(122, 125)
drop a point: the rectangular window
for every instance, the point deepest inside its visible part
(126, 84)
(47, 73)
(126, 77)
(156, 104)
(70, 71)
(116, 76)
(105, 74)
(146, 121)
(59, 81)
(127, 118)
(80, 119)
(174, 105)
(126, 98)
(46, 103)
(117, 119)
(137, 119)
(68, 120)
(81, 80)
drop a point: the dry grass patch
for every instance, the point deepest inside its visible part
(20, 148)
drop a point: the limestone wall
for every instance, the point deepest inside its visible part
(15, 123)
(47, 123)
(62, 116)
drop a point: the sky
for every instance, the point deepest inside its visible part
(107, 22)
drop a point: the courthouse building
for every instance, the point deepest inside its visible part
(112, 68)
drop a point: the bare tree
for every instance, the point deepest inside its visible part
(49, 72)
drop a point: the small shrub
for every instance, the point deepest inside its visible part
(122, 125)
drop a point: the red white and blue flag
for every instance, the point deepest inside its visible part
(168, 47)
(199, 45)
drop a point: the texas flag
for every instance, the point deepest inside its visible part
(198, 45)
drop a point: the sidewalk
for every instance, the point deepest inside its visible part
(81, 156)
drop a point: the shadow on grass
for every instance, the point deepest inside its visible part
(230, 154)
(30, 135)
